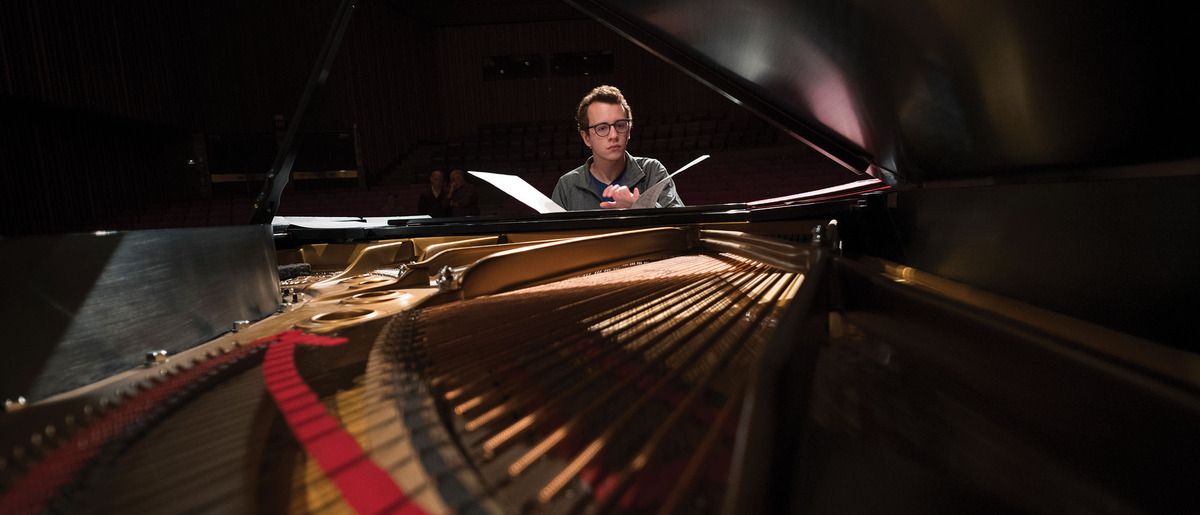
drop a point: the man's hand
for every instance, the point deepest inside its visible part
(622, 197)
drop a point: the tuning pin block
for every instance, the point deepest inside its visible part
(156, 357)
(11, 405)
(447, 280)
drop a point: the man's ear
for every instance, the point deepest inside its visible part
(584, 136)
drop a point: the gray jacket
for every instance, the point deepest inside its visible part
(574, 190)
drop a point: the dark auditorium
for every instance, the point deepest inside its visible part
(588, 257)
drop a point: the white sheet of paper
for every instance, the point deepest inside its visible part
(338, 222)
(520, 190)
(649, 197)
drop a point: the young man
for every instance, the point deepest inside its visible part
(611, 178)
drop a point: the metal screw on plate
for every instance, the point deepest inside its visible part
(14, 405)
(156, 357)
(446, 280)
(240, 325)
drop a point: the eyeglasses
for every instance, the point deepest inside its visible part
(622, 127)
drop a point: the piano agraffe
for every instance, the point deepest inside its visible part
(998, 323)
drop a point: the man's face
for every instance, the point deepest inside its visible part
(611, 146)
(435, 180)
(457, 179)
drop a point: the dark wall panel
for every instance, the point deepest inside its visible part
(102, 99)
(106, 57)
(64, 170)
(651, 85)
(385, 83)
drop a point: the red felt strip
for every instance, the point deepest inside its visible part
(364, 485)
(33, 491)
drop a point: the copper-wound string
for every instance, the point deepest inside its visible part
(526, 422)
(573, 360)
(671, 345)
(565, 364)
(764, 291)
(524, 319)
(691, 472)
(648, 452)
(531, 341)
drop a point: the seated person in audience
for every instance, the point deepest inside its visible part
(389, 206)
(431, 199)
(460, 199)
(611, 178)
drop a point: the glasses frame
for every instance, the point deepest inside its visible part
(613, 126)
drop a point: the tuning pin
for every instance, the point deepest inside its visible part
(11, 405)
(156, 357)
(125, 395)
(447, 280)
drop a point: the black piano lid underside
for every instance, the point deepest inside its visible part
(925, 91)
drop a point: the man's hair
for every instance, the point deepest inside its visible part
(605, 94)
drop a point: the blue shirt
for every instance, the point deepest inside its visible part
(577, 189)
(599, 185)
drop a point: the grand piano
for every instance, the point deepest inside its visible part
(993, 317)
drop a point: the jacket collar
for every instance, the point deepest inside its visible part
(633, 173)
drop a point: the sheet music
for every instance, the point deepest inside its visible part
(530, 196)
(338, 222)
(520, 190)
(649, 197)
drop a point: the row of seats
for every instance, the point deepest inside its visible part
(238, 210)
(717, 181)
(707, 183)
(511, 146)
(546, 151)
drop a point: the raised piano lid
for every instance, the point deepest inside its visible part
(923, 91)
(1044, 151)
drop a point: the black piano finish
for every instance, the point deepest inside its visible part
(1044, 152)
(82, 307)
(934, 91)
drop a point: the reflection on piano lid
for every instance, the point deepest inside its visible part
(997, 321)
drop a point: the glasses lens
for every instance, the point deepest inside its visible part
(622, 127)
